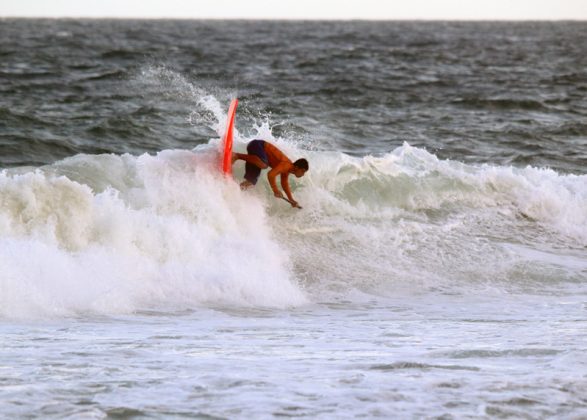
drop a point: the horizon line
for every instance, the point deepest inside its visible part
(308, 19)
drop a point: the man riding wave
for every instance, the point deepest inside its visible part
(261, 155)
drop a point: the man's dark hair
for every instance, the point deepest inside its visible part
(302, 164)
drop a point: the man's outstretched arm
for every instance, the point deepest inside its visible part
(272, 174)
(285, 186)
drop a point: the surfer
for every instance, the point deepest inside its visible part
(260, 155)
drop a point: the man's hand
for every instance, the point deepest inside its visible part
(278, 194)
(293, 202)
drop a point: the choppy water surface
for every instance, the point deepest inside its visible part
(414, 359)
(438, 268)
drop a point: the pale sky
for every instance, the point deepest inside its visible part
(302, 9)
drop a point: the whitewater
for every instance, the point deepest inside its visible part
(115, 234)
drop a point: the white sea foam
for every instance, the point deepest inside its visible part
(111, 234)
(168, 231)
(409, 221)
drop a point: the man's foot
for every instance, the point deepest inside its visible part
(245, 185)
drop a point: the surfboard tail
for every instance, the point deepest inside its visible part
(227, 139)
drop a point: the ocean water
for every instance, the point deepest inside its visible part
(438, 268)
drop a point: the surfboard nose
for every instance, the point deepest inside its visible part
(227, 158)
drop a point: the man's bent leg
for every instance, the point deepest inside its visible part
(252, 159)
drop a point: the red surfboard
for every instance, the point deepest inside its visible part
(227, 140)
